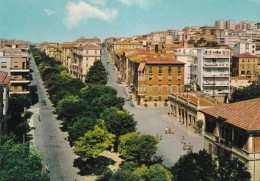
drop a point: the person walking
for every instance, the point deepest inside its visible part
(166, 130)
(172, 130)
(157, 136)
(169, 130)
(161, 137)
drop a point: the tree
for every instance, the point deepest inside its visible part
(118, 122)
(70, 107)
(155, 172)
(232, 169)
(138, 147)
(19, 163)
(49, 70)
(97, 74)
(200, 167)
(250, 92)
(81, 125)
(93, 143)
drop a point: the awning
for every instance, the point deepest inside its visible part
(141, 67)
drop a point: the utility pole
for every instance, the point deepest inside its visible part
(214, 86)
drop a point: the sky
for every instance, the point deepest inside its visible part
(67, 20)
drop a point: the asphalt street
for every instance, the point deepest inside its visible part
(154, 120)
(49, 140)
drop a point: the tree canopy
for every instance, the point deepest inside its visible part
(97, 74)
(93, 143)
(19, 163)
(250, 92)
(137, 147)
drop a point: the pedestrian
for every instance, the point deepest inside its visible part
(169, 130)
(157, 136)
(166, 130)
(184, 146)
(172, 130)
(182, 139)
(189, 146)
(161, 137)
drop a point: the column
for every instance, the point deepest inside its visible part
(250, 143)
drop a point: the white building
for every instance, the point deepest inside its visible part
(248, 25)
(225, 24)
(214, 71)
(245, 47)
(189, 57)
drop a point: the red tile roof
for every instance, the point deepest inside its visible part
(194, 100)
(159, 60)
(245, 55)
(244, 114)
(89, 46)
(4, 79)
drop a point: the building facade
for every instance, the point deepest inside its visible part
(244, 65)
(233, 129)
(214, 71)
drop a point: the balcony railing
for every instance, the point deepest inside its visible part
(210, 83)
(216, 75)
(219, 65)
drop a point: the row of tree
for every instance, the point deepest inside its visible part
(95, 120)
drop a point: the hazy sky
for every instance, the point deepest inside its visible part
(67, 20)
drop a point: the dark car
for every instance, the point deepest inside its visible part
(43, 103)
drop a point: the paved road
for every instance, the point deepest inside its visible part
(155, 120)
(49, 139)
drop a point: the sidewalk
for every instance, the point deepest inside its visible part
(188, 130)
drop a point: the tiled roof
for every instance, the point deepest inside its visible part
(245, 55)
(158, 60)
(4, 78)
(195, 100)
(90, 46)
(244, 114)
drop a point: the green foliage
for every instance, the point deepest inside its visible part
(19, 163)
(93, 143)
(17, 123)
(97, 74)
(155, 172)
(212, 44)
(131, 172)
(49, 70)
(140, 148)
(118, 122)
(81, 126)
(250, 92)
(195, 166)
(232, 170)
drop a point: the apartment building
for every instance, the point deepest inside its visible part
(126, 45)
(14, 62)
(82, 59)
(247, 25)
(189, 57)
(245, 47)
(214, 71)
(156, 79)
(225, 24)
(233, 129)
(4, 99)
(244, 65)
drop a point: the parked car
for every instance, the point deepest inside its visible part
(43, 103)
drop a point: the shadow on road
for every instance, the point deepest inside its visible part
(99, 165)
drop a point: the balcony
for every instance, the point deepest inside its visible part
(18, 81)
(19, 70)
(216, 54)
(210, 83)
(216, 75)
(218, 65)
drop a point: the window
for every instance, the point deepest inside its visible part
(242, 72)
(179, 70)
(150, 77)
(248, 66)
(169, 70)
(3, 64)
(159, 98)
(169, 77)
(86, 51)
(160, 77)
(160, 69)
(150, 88)
(95, 51)
(243, 66)
(150, 98)
(248, 60)
(150, 69)
(159, 88)
(179, 76)
(170, 88)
